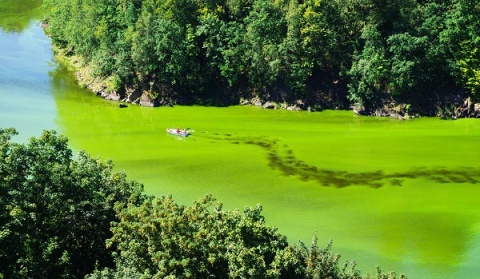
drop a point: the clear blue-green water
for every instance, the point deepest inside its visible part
(403, 195)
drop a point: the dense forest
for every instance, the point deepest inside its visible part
(421, 54)
(65, 216)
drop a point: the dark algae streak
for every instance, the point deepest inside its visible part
(281, 158)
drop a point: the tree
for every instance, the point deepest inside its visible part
(422, 69)
(161, 239)
(368, 74)
(55, 212)
(265, 30)
(462, 37)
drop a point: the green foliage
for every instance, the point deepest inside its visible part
(372, 51)
(407, 57)
(410, 60)
(469, 66)
(462, 36)
(55, 212)
(369, 71)
(266, 27)
(161, 239)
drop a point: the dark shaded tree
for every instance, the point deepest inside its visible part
(55, 211)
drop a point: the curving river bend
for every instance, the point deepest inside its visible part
(403, 195)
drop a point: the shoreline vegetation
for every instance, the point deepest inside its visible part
(402, 60)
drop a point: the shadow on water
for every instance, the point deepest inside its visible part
(281, 158)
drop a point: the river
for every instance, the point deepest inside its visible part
(403, 195)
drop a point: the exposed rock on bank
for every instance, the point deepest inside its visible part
(458, 108)
(393, 111)
(130, 95)
(466, 109)
(256, 101)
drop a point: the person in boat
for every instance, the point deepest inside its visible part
(178, 130)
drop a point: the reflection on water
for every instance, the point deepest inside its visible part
(280, 157)
(15, 15)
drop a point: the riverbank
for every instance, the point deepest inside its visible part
(459, 106)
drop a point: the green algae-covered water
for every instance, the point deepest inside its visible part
(403, 195)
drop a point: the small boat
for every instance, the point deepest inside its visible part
(179, 132)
